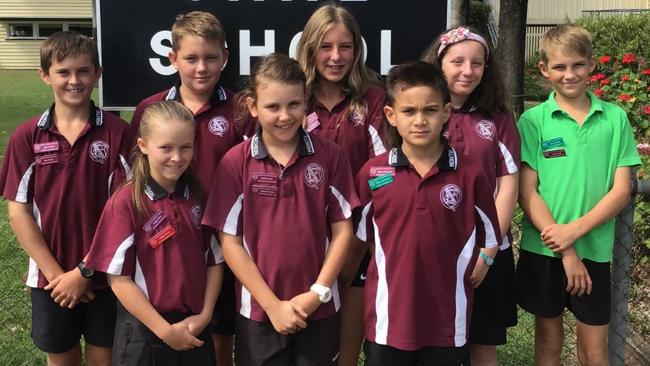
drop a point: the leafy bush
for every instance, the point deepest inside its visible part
(616, 35)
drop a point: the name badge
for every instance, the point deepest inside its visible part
(378, 171)
(269, 191)
(160, 237)
(47, 159)
(154, 221)
(555, 142)
(379, 182)
(46, 147)
(265, 184)
(554, 153)
(312, 122)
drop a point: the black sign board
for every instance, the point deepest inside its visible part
(134, 37)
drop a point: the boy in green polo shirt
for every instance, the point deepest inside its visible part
(577, 152)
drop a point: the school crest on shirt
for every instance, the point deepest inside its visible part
(485, 129)
(98, 151)
(195, 211)
(314, 175)
(450, 196)
(357, 117)
(218, 125)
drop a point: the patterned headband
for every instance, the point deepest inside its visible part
(458, 35)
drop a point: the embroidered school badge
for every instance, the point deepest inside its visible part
(218, 125)
(314, 175)
(450, 196)
(98, 151)
(357, 118)
(485, 129)
(196, 216)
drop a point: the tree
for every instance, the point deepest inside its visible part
(512, 44)
(459, 12)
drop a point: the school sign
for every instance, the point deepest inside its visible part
(134, 37)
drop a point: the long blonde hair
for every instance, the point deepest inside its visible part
(153, 115)
(357, 81)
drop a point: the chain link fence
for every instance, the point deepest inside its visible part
(629, 329)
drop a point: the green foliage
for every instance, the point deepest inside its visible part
(479, 14)
(616, 35)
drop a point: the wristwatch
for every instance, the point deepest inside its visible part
(486, 258)
(324, 293)
(85, 272)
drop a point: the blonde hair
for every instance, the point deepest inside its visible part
(274, 67)
(200, 24)
(153, 116)
(566, 38)
(64, 44)
(357, 81)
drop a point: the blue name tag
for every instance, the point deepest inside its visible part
(553, 143)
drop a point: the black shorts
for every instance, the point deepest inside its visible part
(257, 343)
(57, 330)
(381, 355)
(136, 345)
(541, 289)
(495, 305)
(360, 278)
(223, 318)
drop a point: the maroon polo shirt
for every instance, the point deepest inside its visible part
(215, 131)
(493, 143)
(418, 291)
(360, 136)
(171, 272)
(283, 214)
(67, 185)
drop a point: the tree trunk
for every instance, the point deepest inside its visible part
(512, 43)
(459, 12)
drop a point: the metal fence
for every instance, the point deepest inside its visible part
(629, 329)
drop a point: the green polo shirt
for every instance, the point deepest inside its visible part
(575, 166)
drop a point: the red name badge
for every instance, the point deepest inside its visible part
(47, 159)
(160, 237)
(46, 147)
(378, 171)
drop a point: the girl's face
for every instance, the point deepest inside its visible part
(463, 65)
(335, 54)
(169, 149)
(280, 109)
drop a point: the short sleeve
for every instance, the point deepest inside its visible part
(376, 123)
(342, 198)
(530, 142)
(508, 157)
(17, 172)
(224, 208)
(627, 154)
(113, 250)
(363, 215)
(213, 255)
(122, 169)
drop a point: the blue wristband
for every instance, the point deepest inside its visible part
(487, 259)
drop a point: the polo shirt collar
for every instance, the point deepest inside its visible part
(219, 94)
(259, 151)
(95, 118)
(596, 103)
(154, 191)
(448, 159)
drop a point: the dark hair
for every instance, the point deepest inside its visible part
(64, 44)
(490, 95)
(274, 67)
(154, 115)
(409, 75)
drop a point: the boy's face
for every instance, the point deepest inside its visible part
(72, 80)
(419, 115)
(199, 63)
(568, 73)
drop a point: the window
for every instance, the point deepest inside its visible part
(42, 30)
(21, 31)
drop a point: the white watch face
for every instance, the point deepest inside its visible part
(326, 295)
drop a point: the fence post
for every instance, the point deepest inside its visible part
(620, 285)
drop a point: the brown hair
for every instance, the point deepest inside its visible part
(357, 81)
(64, 44)
(198, 23)
(490, 95)
(274, 67)
(156, 114)
(568, 39)
(409, 75)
